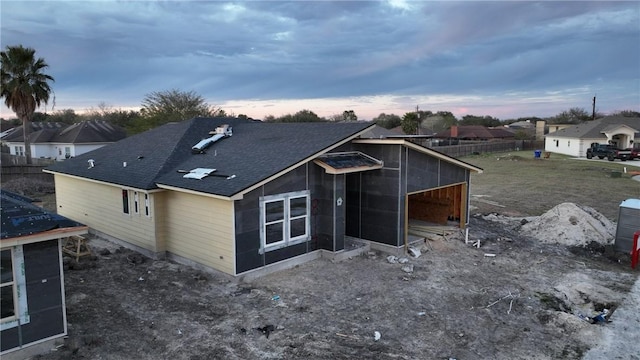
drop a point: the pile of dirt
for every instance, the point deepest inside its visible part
(572, 225)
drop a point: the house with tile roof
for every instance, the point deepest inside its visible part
(33, 309)
(574, 140)
(60, 141)
(246, 197)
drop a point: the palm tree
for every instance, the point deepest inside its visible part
(24, 86)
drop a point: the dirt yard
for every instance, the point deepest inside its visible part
(525, 293)
(453, 301)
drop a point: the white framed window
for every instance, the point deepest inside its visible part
(284, 220)
(19, 150)
(13, 289)
(67, 152)
(125, 201)
(147, 205)
(136, 203)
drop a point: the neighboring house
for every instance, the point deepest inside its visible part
(475, 132)
(240, 196)
(59, 141)
(555, 127)
(574, 140)
(525, 124)
(32, 301)
(524, 128)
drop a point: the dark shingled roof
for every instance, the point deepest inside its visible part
(255, 152)
(593, 129)
(84, 132)
(21, 218)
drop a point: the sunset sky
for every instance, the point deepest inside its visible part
(506, 59)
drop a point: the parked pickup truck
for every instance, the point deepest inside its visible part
(608, 151)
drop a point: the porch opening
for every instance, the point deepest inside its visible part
(440, 206)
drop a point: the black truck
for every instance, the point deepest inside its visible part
(608, 151)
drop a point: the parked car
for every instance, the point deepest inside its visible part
(635, 153)
(607, 151)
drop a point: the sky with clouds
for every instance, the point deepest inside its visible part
(506, 59)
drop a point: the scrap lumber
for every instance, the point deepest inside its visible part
(438, 230)
(76, 246)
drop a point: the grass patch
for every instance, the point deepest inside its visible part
(519, 181)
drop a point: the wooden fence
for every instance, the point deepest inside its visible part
(465, 149)
(15, 167)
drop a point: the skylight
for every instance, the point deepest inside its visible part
(198, 173)
(347, 162)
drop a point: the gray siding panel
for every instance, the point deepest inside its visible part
(44, 296)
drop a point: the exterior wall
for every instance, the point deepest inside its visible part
(200, 228)
(375, 204)
(247, 224)
(55, 150)
(322, 215)
(43, 151)
(562, 145)
(628, 224)
(79, 149)
(45, 300)
(99, 206)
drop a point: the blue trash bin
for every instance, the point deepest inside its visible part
(536, 154)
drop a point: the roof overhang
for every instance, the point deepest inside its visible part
(200, 193)
(127, 187)
(43, 236)
(423, 150)
(616, 128)
(347, 162)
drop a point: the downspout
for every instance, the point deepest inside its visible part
(406, 198)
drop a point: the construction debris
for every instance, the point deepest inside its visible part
(376, 336)
(266, 330)
(408, 268)
(426, 230)
(415, 252)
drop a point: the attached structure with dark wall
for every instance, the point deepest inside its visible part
(33, 308)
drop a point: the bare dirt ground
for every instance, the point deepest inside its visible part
(453, 301)
(523, 294)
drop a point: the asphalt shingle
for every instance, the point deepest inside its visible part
(255, 152)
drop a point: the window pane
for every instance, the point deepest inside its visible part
(298, 206)
(274, 210)
(7, 269)
(274, 233)
(6, 301)
(298, 227)
(125, 201)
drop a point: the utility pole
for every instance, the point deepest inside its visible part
(419, 121)
(593, 114)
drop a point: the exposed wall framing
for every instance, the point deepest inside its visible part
(439, 205)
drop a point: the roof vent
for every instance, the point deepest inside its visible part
(92, 163)
(220, 132)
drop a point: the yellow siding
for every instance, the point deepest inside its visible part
(99, 206)
(200, 228)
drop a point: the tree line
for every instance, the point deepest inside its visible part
(25, 87)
